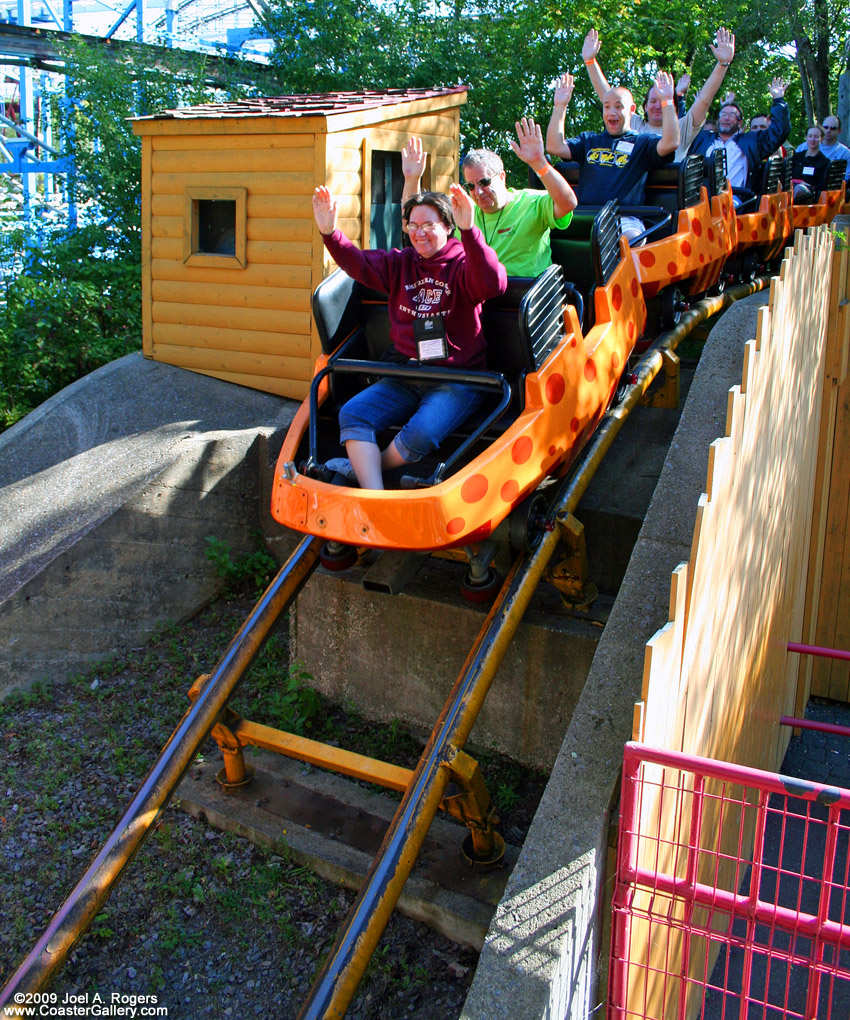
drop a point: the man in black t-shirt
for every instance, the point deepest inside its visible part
(614, 163)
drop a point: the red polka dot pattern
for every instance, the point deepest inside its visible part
(672, 268)
(686, 248)
(647, 259)
(574, 425)
(521, 450)
(635, 287)
(590, 370)
(509, 491)
(555, 388)
(615, 358)
(455, 526)
(474, 489)
(698, 228)
(617, 297)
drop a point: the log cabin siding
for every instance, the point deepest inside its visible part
(252, 324)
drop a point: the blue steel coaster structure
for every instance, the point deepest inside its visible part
(29, 48)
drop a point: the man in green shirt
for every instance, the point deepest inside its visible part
(514, 223)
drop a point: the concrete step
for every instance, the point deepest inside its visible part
(335, 827)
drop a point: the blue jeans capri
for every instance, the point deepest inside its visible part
(428, 414)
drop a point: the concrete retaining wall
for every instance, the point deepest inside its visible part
(398, 656)
(107, 493)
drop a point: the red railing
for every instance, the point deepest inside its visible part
(731, 899)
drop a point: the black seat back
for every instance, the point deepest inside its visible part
(787, 173)
(569, 171)
(715, 172)
(768, 177)
(541, 319)
(508, 351)
(589, 250)
(690, 181)
(336, 309)
(675, 186)
(835, 173)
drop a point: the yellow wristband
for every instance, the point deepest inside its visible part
(543, 170)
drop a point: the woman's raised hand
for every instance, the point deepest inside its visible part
(324, 210)
(463, 208)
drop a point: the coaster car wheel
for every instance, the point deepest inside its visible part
(673, 305)
(527, 524)
(749, 267)
(480, 590)
(336, 556)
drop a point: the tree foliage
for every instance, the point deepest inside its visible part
(76, 303)
(509, 51)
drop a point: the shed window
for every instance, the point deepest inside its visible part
(385, 211)
(216, 227)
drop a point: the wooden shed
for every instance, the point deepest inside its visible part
(230, 251)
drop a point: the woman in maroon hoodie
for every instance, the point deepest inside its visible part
(435, 290)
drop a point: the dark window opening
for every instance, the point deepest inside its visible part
(216, 227)
(387, 188)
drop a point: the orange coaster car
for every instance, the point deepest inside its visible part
(688, 237)
(829, 202)
(549, 383)
(689, 259)
(764, 221)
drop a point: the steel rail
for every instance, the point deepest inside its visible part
(340, 975)
(93, 889)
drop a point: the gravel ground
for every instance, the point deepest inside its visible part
(210, 924)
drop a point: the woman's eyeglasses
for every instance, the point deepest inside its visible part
(425, 228)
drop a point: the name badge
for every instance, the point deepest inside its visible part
(623, 146)
(808, 171)
(430, 337)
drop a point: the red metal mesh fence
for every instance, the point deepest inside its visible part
(731, 896)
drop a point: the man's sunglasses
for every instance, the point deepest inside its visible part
(483, 182)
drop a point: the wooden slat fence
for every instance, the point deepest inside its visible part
(718, 677)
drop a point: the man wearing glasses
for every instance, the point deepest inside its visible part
(830, 146)
(515, 223)
(746, 149)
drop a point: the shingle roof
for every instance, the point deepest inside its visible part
(326, 103)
